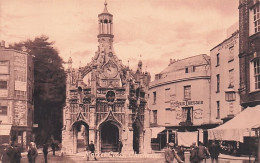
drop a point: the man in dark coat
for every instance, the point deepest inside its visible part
(5, 157)
(170, 154)
(214, 151)
(32, 152)
(18, 155)
(45, 152)
(11, 153)
(180, 152)
(53, 148)
(91, 148)
(120, 145)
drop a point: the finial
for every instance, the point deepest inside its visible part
(105, 9)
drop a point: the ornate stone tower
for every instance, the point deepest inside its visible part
(106, 101)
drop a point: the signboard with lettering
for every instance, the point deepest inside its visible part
(197, 113)
(177, 104)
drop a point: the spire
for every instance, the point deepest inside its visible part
(105, 9)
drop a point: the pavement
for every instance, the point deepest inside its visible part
(155, 157)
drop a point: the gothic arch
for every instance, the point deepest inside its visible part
(83, 122)
(109, 118)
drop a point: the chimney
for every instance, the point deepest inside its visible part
(2, 44)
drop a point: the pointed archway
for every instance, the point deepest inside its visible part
(109, 136)
(137, 136)
(80, 135)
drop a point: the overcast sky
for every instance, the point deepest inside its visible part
(156, 29)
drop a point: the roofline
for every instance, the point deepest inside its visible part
(6, 49)
(185, 59)
(237, 32)
(176, 81)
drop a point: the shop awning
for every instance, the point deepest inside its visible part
(5, 129)
(156, 130)
(238, 127)
(187, 138)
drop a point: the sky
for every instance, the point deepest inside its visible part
(154, 31)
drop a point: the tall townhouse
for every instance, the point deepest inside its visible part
(225, 101)
(16, 96)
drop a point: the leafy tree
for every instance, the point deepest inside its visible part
(49, 86)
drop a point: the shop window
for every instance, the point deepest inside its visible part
(3, 110)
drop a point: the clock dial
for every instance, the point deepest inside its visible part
(110, 70)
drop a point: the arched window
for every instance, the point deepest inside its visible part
(105, 21)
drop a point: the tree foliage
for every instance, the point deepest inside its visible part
(49, 86)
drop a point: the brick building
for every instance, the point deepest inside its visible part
(249, 52)
(106, 101)
(16, 96)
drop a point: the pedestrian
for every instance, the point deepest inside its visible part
(11, 152)
(5, 157)
(91, 148)
(180, 152)
(214, 150)
(120, 146)
(45, 152)
(194, 150)
(203, 152)
(53, 148)
(170, 154)
(32, 152)
(17, 156)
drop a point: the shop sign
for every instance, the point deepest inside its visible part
(177, 104)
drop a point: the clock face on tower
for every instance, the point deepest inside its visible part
(110, 70)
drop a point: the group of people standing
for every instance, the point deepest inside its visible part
(11, 154)
(198, 154)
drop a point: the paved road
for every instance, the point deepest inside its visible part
(132, 159)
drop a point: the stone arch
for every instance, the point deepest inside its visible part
(138, 136)
(109, 131)
(80, 132)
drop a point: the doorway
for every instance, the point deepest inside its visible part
(109, 137)
(81, 130)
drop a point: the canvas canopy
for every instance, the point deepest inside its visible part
(238, 127)
(187, 138)
(5, 129)
(156, 131)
